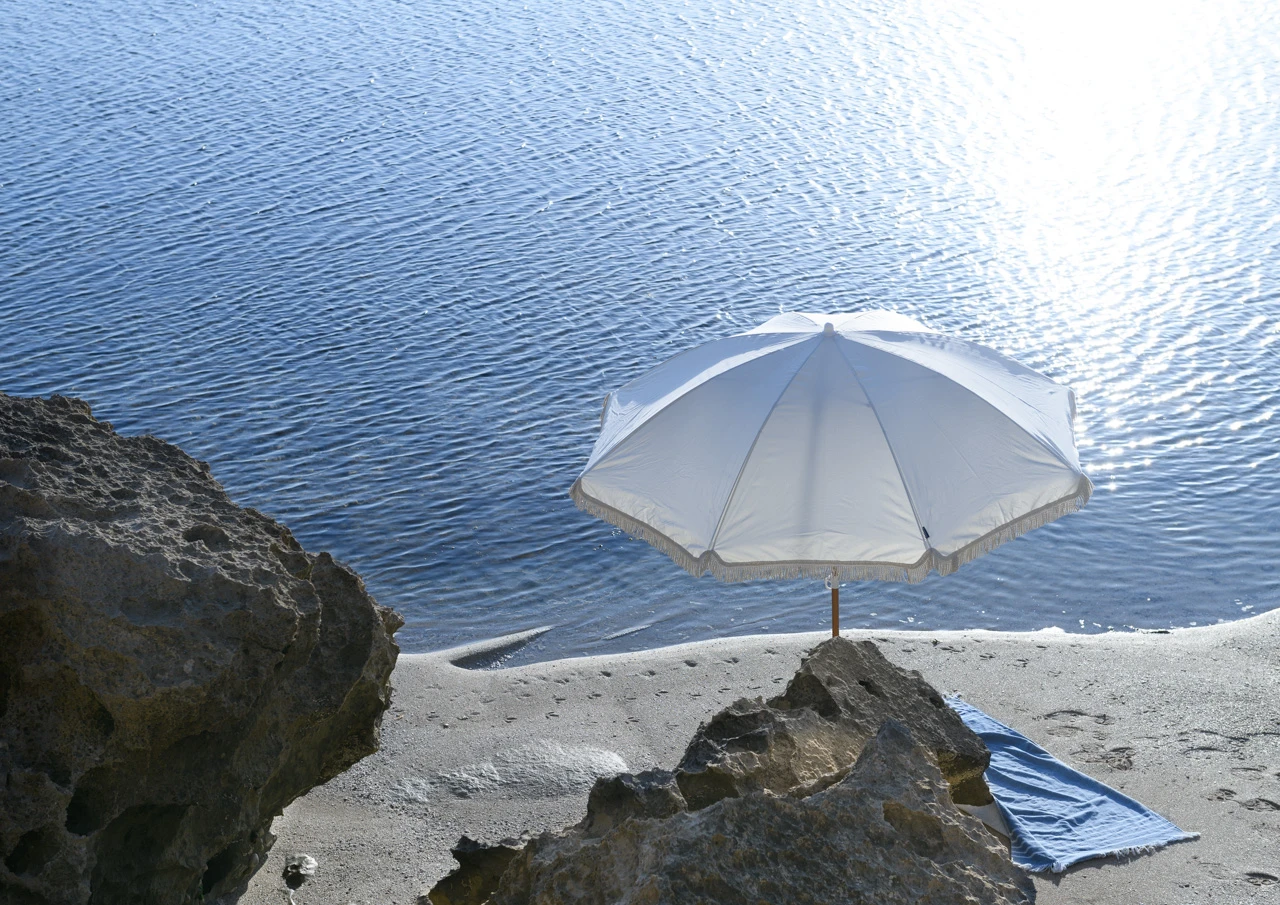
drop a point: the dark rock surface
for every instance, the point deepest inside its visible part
(174, 669)
(807, 737)
(653, 794)
(480, 869)
(885, 834)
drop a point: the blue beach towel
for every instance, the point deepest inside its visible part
(1057, 816)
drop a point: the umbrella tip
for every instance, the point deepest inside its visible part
(828, 329)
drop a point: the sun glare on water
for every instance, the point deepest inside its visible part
(1088, 144)
(1102, 156)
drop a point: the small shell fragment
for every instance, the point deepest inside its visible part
(298, 869)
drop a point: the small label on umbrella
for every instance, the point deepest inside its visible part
(926, 532)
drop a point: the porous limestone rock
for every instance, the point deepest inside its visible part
(174, 669)
(810, 735)
(886, 833)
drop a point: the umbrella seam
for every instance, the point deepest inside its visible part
(633, 428)
(728, 502)
(915, 513)
(1045, 445)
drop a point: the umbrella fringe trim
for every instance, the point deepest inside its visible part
(1133, 851)
(637, 529)
(1037, 518)
(710, 563)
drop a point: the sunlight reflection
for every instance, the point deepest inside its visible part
(1096, 161)
(1077, 153)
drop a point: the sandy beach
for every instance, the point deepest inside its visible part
(1187, 722)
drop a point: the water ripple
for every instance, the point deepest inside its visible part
(380, 263)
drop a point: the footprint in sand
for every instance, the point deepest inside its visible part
(1259, 878)
(1250, 772)
(1118, 758)
(1063, 731)
(1068, 722)
(1208, 741)
(1260, 804)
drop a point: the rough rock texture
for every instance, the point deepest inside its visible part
(821, 795)
(886, 833)
(807, 737)
(480, 868)
(174, 669)
(652, 794)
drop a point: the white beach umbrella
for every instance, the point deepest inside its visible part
(843, 446)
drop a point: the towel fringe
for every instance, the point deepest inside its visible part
(1132, 851)
(711, 563)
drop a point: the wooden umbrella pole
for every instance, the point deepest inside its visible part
(835, 611)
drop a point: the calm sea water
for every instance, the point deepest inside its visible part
(378, 263)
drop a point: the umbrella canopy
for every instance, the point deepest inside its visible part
(864, 443)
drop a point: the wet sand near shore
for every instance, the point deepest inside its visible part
(1187, 722)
